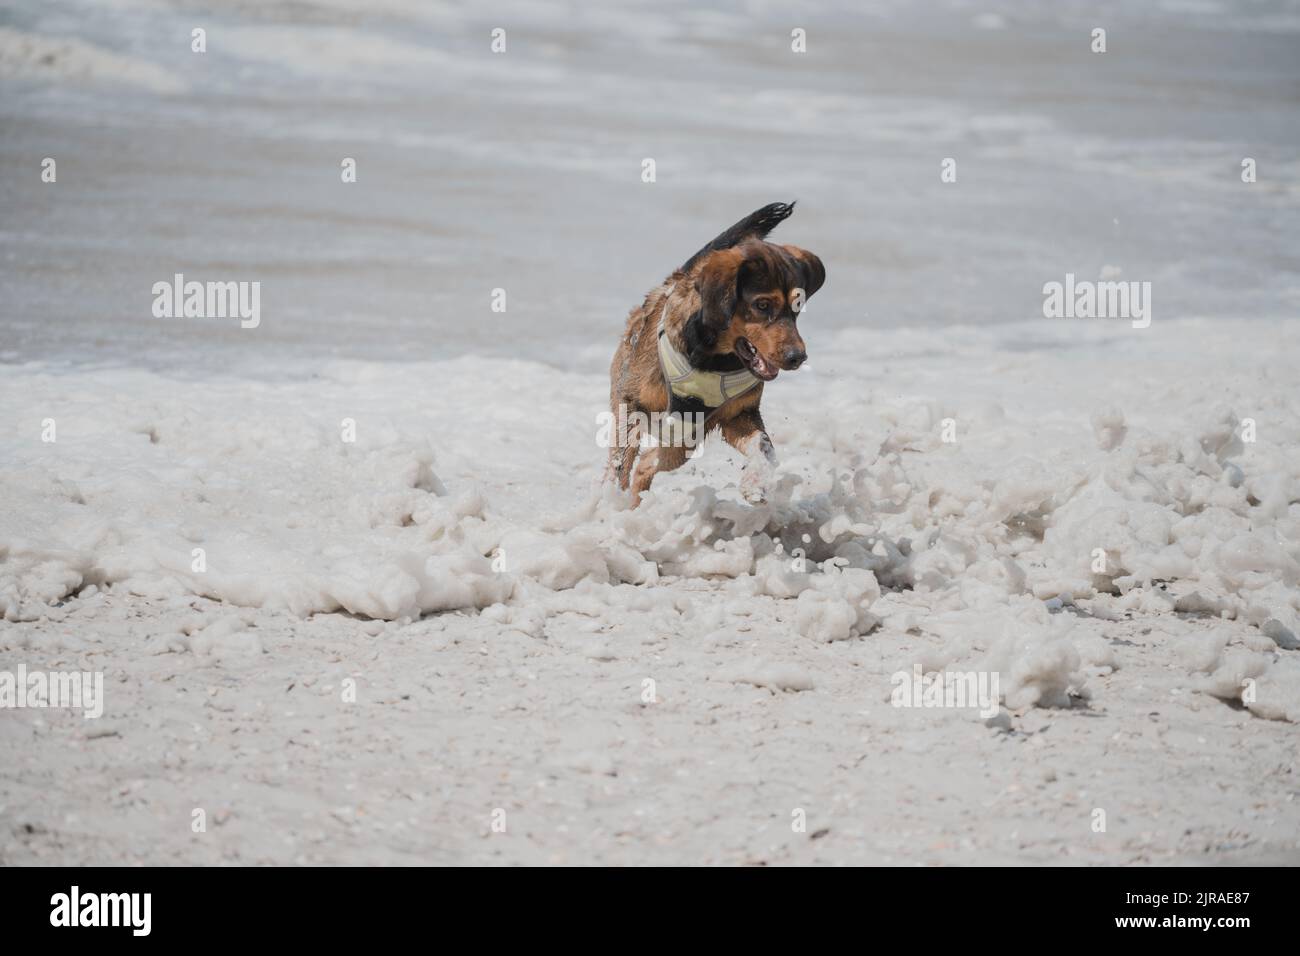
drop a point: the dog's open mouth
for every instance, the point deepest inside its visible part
(754, 360)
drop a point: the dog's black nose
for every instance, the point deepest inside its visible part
(795, 357)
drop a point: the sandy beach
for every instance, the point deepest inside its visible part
(349, 576)
(498, 654)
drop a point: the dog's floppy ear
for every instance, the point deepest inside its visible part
(811, 270)
(717, 282)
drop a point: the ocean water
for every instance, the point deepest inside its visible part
(522, 170)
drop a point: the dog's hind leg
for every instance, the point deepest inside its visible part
(623, 453)
(613, 461)
(660, 458)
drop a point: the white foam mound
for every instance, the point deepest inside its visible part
(976, 503)
(269, 509)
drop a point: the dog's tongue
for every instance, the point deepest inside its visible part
(763, 368)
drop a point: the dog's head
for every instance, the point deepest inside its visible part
(750, 299)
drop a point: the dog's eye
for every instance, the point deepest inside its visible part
(763, 305)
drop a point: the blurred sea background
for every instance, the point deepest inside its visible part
(522, 170)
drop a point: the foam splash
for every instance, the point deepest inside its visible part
(875, 519)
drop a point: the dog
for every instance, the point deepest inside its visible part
(698, 351)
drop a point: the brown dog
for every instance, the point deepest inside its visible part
(698, 350)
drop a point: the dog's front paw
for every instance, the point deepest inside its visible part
(753, 485)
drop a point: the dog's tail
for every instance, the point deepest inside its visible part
(754, 226)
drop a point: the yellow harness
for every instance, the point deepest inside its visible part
(686, 381)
